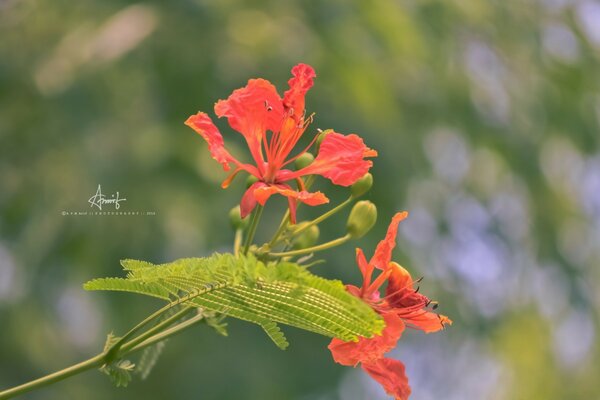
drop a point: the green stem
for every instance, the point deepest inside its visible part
(237, 242)
(324, 246)
(93, 362)
(323, 217)
(165, 334)
(156, 329)
(253, 225)
(282, 226)
(103, 358)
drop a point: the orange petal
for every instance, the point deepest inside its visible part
(426, 321)
(252, 110)
(262, 194)
(383, 252)
(248, 201)
(204, 126)
(390, 374)
(368, 350)
(301, 81)
(341, 159)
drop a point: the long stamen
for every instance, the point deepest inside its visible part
(405, 287)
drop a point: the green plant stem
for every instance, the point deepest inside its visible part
(324, 246)
(284, 223)
(93, 362)
(237, 242)
(103, 358)
(156, 329)
(323, 217)
(252, 229)
(286, 216)
(166, 334)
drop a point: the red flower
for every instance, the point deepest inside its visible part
(257, 108)
(402, 306)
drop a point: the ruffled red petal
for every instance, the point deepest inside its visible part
(341, 159)
(204, 126)
(252, 110)
(390, 374)
(368, 350)
(301, 81)
(383, 252)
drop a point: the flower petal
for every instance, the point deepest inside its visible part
(252, 110)
(341, 159)
(390, 374)
(409, 304)
(248, 201)
(263, 193)
(426, 321)
(367, 350)
(300, 83)
(383, 252)
(204, 126)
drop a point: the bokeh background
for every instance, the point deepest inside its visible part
(486, 116)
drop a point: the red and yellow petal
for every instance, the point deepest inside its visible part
(204, 126)
(367, 350)
(341, 159)
(252, 110)
(383, 252)
(300, 82)
(390, 374)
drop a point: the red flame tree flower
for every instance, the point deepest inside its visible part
(402, 306)
(257, 109)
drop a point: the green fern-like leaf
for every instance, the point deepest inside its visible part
(245, 288)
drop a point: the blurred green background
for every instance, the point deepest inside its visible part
(486, 117)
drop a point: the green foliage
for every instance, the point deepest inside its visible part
(119, 372)
(250, 290)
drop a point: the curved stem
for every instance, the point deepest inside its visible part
(323, 217)
(166, 334)
(151, 332)
(324, 246)
(148, 338)
(93, 362)
(252, 230)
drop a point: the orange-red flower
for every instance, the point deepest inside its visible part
(257, 109)
(402, 306)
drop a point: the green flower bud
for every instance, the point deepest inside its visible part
(236, 220)
(361, 219)
(322, 136)
(304, 160)
(307, 238)
(251, 180)
(362, 185)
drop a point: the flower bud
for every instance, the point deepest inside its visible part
(236, 220)
(362, 185)
(307, 238)
(304, 160)
(322, 136)
(361, 219)
(251, 180)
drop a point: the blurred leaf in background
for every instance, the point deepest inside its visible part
(486, 116)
